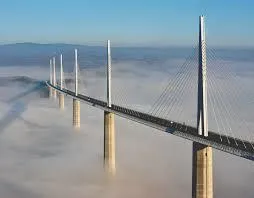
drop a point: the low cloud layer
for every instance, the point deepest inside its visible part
(42, 156)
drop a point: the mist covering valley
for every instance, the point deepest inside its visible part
(41, 155)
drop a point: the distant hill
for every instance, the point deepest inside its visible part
(39, 54)
(30, 54)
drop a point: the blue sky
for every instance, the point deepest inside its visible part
(127, 22)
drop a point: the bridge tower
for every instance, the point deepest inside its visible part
(61, 95)
(202, 174)
(109, 124)
(54, 77)
(76, 103)
(50, 78)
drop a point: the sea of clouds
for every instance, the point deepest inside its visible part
(41, 155)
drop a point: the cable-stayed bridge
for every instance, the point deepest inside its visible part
(219, 141)
(157, 117)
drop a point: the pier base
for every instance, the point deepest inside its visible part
(61, 101)
(76, 114)
(202, 171)
(109, 143)
(50, 92)
(53, 93)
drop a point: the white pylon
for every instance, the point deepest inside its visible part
(61, 95)
(76, 72)
(109, 76)
(50, 71)
(202, 120)
(50, 77)
(54, 71)
(61, 71)
(54, 76)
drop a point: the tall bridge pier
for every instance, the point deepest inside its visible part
(109, 142)
(109, 124)
(202, 170)
(76, 114)
(61, 95)
(76, 103)
(61, 101)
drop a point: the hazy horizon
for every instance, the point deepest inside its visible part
(103, 43)
(29, 54)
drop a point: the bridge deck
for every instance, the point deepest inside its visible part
(218, 141)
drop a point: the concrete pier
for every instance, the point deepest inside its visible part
(61, 101)
(50, 92)
(54, 93)
(109, 143)
(76, 114)
(202, 171)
